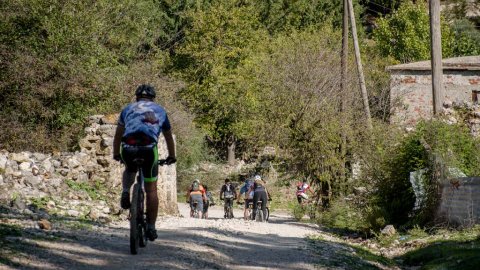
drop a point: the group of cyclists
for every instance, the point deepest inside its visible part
(252, 191)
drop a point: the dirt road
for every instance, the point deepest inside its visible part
(183, 243)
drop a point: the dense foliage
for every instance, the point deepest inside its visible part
(405, 35)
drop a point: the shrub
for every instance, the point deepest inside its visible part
(343, 214)
(298, 211)
(388, 160)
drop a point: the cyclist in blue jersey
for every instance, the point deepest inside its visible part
(139, 125)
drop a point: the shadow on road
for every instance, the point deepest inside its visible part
(187, 248)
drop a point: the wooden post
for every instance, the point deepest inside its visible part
(344, 55)
(343, 95)
(436, 57)
(359, 66)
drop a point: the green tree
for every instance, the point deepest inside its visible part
(217, 43)
(62, 60)
(467, 38)
(405, 34)
(278, 16)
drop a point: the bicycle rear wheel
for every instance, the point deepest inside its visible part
(259, 215)
(134, 224)
(142, 226)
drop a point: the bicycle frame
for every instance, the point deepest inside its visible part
(138, 217)
(138, 224)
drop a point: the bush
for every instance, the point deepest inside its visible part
(298, 211)
(390, 157)
(345, 215)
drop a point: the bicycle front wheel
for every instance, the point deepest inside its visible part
(134, 224)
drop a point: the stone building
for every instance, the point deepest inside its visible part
(411, 87)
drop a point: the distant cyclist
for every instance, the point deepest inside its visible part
(260, 194)
(302, 188)
(196, 195)
(139, 125)
(248, 192)
(210, 201)
(228, 193)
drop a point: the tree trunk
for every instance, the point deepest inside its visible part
(231, 152)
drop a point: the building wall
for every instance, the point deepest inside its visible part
(460, 201)
(411, 92)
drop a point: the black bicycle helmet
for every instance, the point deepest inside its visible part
(145, 91)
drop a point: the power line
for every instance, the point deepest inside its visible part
(378, 5)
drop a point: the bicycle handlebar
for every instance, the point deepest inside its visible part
(167, 161)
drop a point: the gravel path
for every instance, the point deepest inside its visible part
(184, 243)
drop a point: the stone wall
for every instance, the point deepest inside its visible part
(411, 92)
(460, 201)
(64, 178)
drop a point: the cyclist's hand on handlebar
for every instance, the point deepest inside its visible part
(118, 158)
(170, 160)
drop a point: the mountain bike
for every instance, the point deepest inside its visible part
(195, 211)
(228, 207)
(309, 206)
(138, 216)
(259, 213)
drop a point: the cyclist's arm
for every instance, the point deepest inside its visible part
(170, 142)
(117, 139)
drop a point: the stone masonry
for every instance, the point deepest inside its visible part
(411, 87)
(27, 176)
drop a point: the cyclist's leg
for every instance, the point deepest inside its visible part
(225, 206)
(256, 198)
(263, 196)
(299, 199)
(245, 211)
(304, 199)
(191, 206)
(230, 203)
(150, 173)
(205, 209)
(128, 176)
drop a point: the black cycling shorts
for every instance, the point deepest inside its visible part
(148, 153)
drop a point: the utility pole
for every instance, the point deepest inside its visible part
(359, 65)
(343, 88)
(436, 57)
(344, 55)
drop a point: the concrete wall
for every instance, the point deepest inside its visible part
(411, 92)
(460, 201)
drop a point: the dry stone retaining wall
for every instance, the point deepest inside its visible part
(27, 175)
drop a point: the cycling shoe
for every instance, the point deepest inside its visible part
(152, 234)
